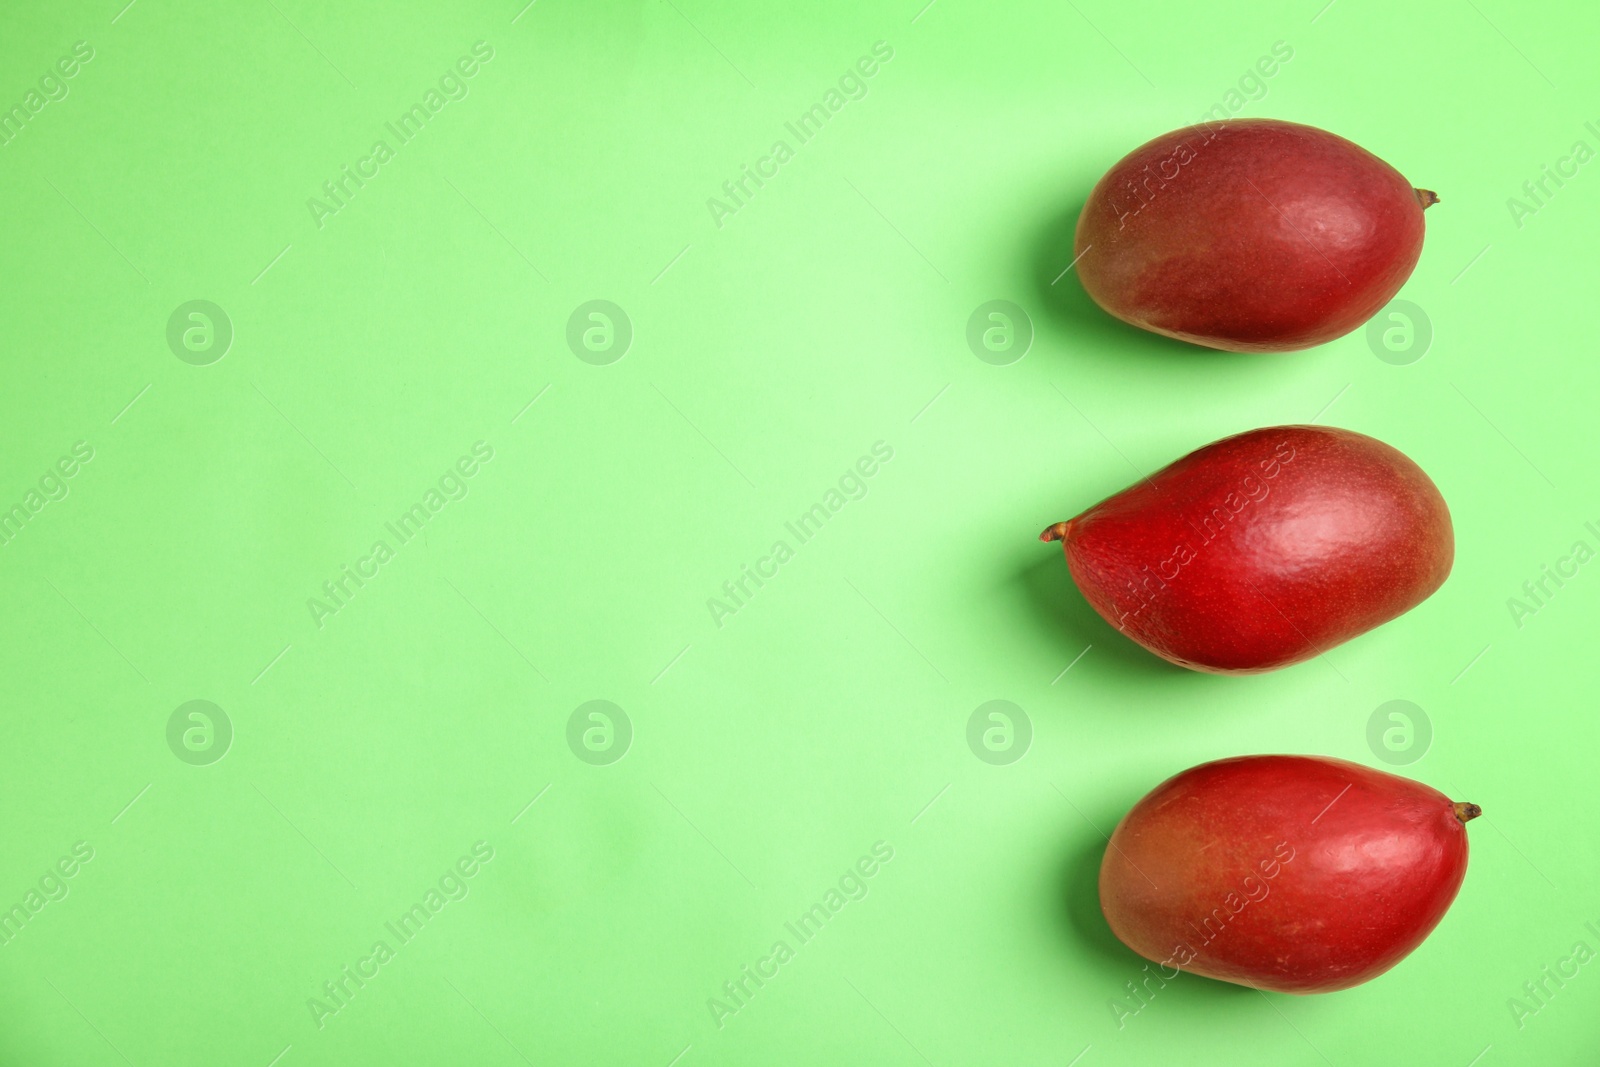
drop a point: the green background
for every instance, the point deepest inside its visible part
(372, 748)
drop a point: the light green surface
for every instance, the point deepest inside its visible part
(376, 746)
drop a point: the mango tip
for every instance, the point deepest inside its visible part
(1056, 531)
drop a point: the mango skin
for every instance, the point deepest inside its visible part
(1251, 235)
(1263, 549)
(1297, 874)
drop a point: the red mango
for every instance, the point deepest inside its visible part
(1263, 549)
(1300, 874)
(1251, 235)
